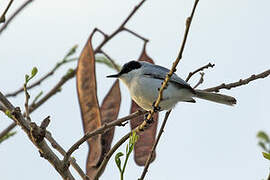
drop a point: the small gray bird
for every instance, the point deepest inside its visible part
(144, 80)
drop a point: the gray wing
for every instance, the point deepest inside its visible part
(159, 72)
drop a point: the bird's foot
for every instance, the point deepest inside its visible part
(149, 121)
(156, 109)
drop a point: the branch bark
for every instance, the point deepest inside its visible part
(3, 16)
(15, 14)
(173, 69)
(100, 130)
(239, 83)
(35, 135)
(155, 145)
(198, 70)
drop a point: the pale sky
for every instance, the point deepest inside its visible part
(202, 140)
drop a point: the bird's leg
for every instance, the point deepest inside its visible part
(156, 109)
(150, 121)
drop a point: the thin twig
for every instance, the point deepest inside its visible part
(120, 28)
(198, 70)
(200, 81)
(239, 83)
(136, 34)
(101, 32)
(27, 96)
(155, 145)
(97, 50)
(7, 130)
(3, 16)
(61, 150)
(111, 60)
(33, 132)
(14, 15)
(173, 69)
(100, 130)
(53, 91)
(39, 81)
(109, 155)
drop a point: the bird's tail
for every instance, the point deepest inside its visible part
(215, 97)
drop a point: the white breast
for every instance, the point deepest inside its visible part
(144, 91)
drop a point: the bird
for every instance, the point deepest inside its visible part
(144, 80)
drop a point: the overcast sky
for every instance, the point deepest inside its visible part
(201, 141)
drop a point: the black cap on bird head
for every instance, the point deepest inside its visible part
(127, 68)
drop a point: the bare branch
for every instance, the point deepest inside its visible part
(173, 69)
(8, 129)
(46, 76)
(200, 81)
(101, 32)
(15, 14)
(35, 134)
(34, 106)
(116, 67)
(136, 34)
(61, 150)
(3, 16)
(239, 83)
(132, 13)
(100, 130)
(27, 96)
(109, 155)
(52, 92)
(120, 28)
(198, 70)
(155, 145)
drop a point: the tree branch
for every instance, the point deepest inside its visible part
(36, 136)
(100, 130)
(120, 28)
(198, 70)
(239, 83)
(8, 129)
(71, 75)
(115, 66)
(15, 14)
(135, 34)
(27, 97)
(3, 16)
(155, 145)
(173, 69)
(37, 104)
(50, 73)
(200, 80)
(109, 155)
(61, 150)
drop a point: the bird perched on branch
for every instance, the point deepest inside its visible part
(144, 80)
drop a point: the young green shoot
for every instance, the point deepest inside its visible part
(129, 148)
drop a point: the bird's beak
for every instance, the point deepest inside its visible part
(113, 76)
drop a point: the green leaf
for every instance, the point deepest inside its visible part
(263, 136)
(262, 145)
(8, 113)
(34, 72)
(118, 160)
(71, 51)
(26, 78)
(266, 155)
(127, 149)
(69, 71)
